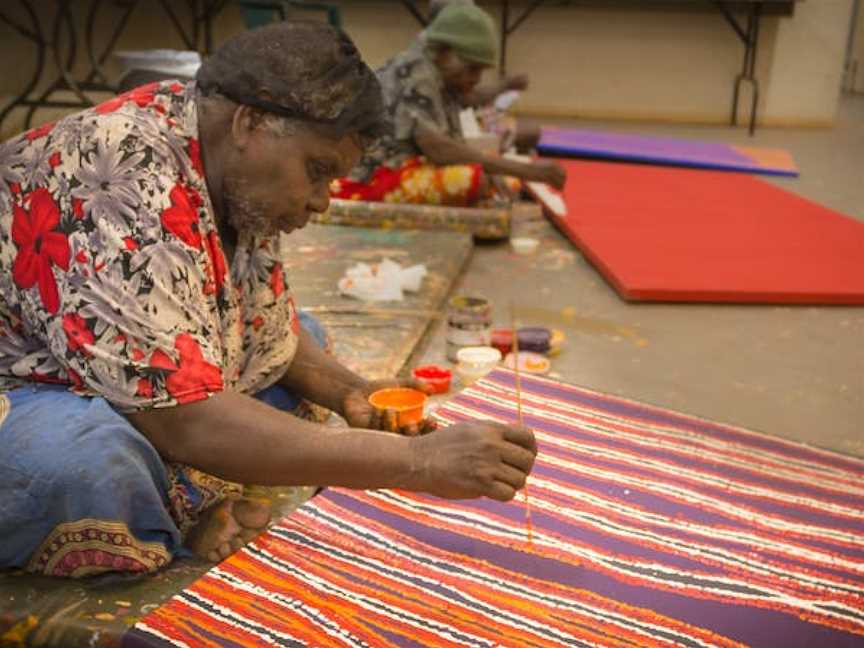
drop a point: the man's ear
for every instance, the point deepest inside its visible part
(243, 123)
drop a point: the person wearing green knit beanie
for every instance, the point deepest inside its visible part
(468, 30)
(424, 158)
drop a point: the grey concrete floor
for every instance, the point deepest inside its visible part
(794, 372)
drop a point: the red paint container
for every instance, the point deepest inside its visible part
(502, 339)
(433, 377)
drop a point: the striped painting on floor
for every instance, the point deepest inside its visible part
(650, 528)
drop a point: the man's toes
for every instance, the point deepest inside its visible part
(213, 556)
(225, 550)
(237, 542)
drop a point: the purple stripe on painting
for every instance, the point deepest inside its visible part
(740, 561)
(605, 542)
(781, 559)
(779, 509)
(649, 413)
(756, 627)
(671, 511)
(756, 478)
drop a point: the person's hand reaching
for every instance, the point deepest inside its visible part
(550, 172)
(474, 459)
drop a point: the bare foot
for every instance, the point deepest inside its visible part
(228, 526)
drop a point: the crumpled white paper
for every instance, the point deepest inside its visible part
(383, 281)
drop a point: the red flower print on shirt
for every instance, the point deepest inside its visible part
(193, 377)
(75, 378)
(217, 259)
(143, 96)
(145, 388)
(78, 334)
(78, 208)
(38, 376)
(181, 218)
(41, 131)
(195, 155)
(277, 280)
(39, 247)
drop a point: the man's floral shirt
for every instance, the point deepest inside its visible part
(112, 274)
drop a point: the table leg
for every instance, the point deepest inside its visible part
(411, 6)
(748, 68)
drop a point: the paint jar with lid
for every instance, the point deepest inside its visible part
(469, 323)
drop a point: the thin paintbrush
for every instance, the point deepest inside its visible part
(519, 419)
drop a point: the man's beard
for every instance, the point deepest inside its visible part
(245, 214)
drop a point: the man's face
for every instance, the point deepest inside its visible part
(460, 77)
(275, 182)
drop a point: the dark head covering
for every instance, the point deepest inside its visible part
(307, 71)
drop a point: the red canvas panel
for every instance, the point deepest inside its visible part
(663, 234)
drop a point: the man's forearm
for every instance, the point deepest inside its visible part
(238, 438)
(318, 376)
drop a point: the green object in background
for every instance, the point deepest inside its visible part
(467, 29)
(257, 13)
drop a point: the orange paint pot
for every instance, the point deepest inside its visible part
(407, 403)
(433, 377)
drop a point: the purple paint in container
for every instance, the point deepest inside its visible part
(534, 338)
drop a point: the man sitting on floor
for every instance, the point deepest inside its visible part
(151, 355)
(482, 99)
(423, 159)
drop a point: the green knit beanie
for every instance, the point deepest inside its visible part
(469, 30)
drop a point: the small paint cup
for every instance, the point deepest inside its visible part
(407, 403)
(477, 361)
(502, 339)
(433, 377)
(536, 339)
(469, 322)
(529, 362)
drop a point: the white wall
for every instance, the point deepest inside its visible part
(585, 62)
(806, 72)
(643, 64)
